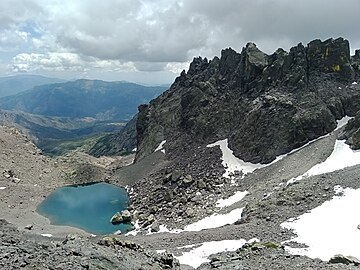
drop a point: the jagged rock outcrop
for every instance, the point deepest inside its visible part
(266, 105)
(355, 63)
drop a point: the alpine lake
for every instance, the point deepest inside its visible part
(88, 207)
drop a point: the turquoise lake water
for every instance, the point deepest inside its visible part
(88, 207)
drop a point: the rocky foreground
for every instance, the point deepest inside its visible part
(27, 251)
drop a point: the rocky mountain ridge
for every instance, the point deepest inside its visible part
(266, 105)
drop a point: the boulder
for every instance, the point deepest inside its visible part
(175, 175)
(126, 216)
(155, 227)
(150, 218)
(187, 180)
(116, 218)
(169, 195)
(29, 227)
(190, 212)
(201, 184)
(345, 260)
(123, 217)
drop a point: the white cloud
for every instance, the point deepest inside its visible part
(163, 35)
(26, 62)
(177, 68)
(29, 62)
(12, 39)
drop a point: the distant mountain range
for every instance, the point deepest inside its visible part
(83, 98)
(13, 85)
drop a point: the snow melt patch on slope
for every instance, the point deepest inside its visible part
(238, 196)
(2, 188)
(231, 163)
(341, 157)
(199, 255)
(160, 147)
(46, 234)
(343, 121)
(215, 221)
(209, 222)
(329, 229)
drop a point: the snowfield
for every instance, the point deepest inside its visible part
(333, 227)
(329, 229)
(200, 255)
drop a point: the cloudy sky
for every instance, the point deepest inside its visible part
(151, 41)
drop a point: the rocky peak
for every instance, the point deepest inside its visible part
(356, 57)
(197, 65)
(228, 63)
(330, 57)
(355, 63)
(254, 56)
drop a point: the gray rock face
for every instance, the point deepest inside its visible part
(266, 105)
(351, 132)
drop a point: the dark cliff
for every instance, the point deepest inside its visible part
(266, 105)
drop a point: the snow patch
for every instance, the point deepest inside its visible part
(209, 222)
(232, 164)
(215, 221)
(134, 150)
(46, 234)
(160, 147)
(341, 157)
(238, 196)
(136, 229)
(354, 83)
(343, 121)
(329, 229)
(338, 190)
(200, 255)
(1, 188)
